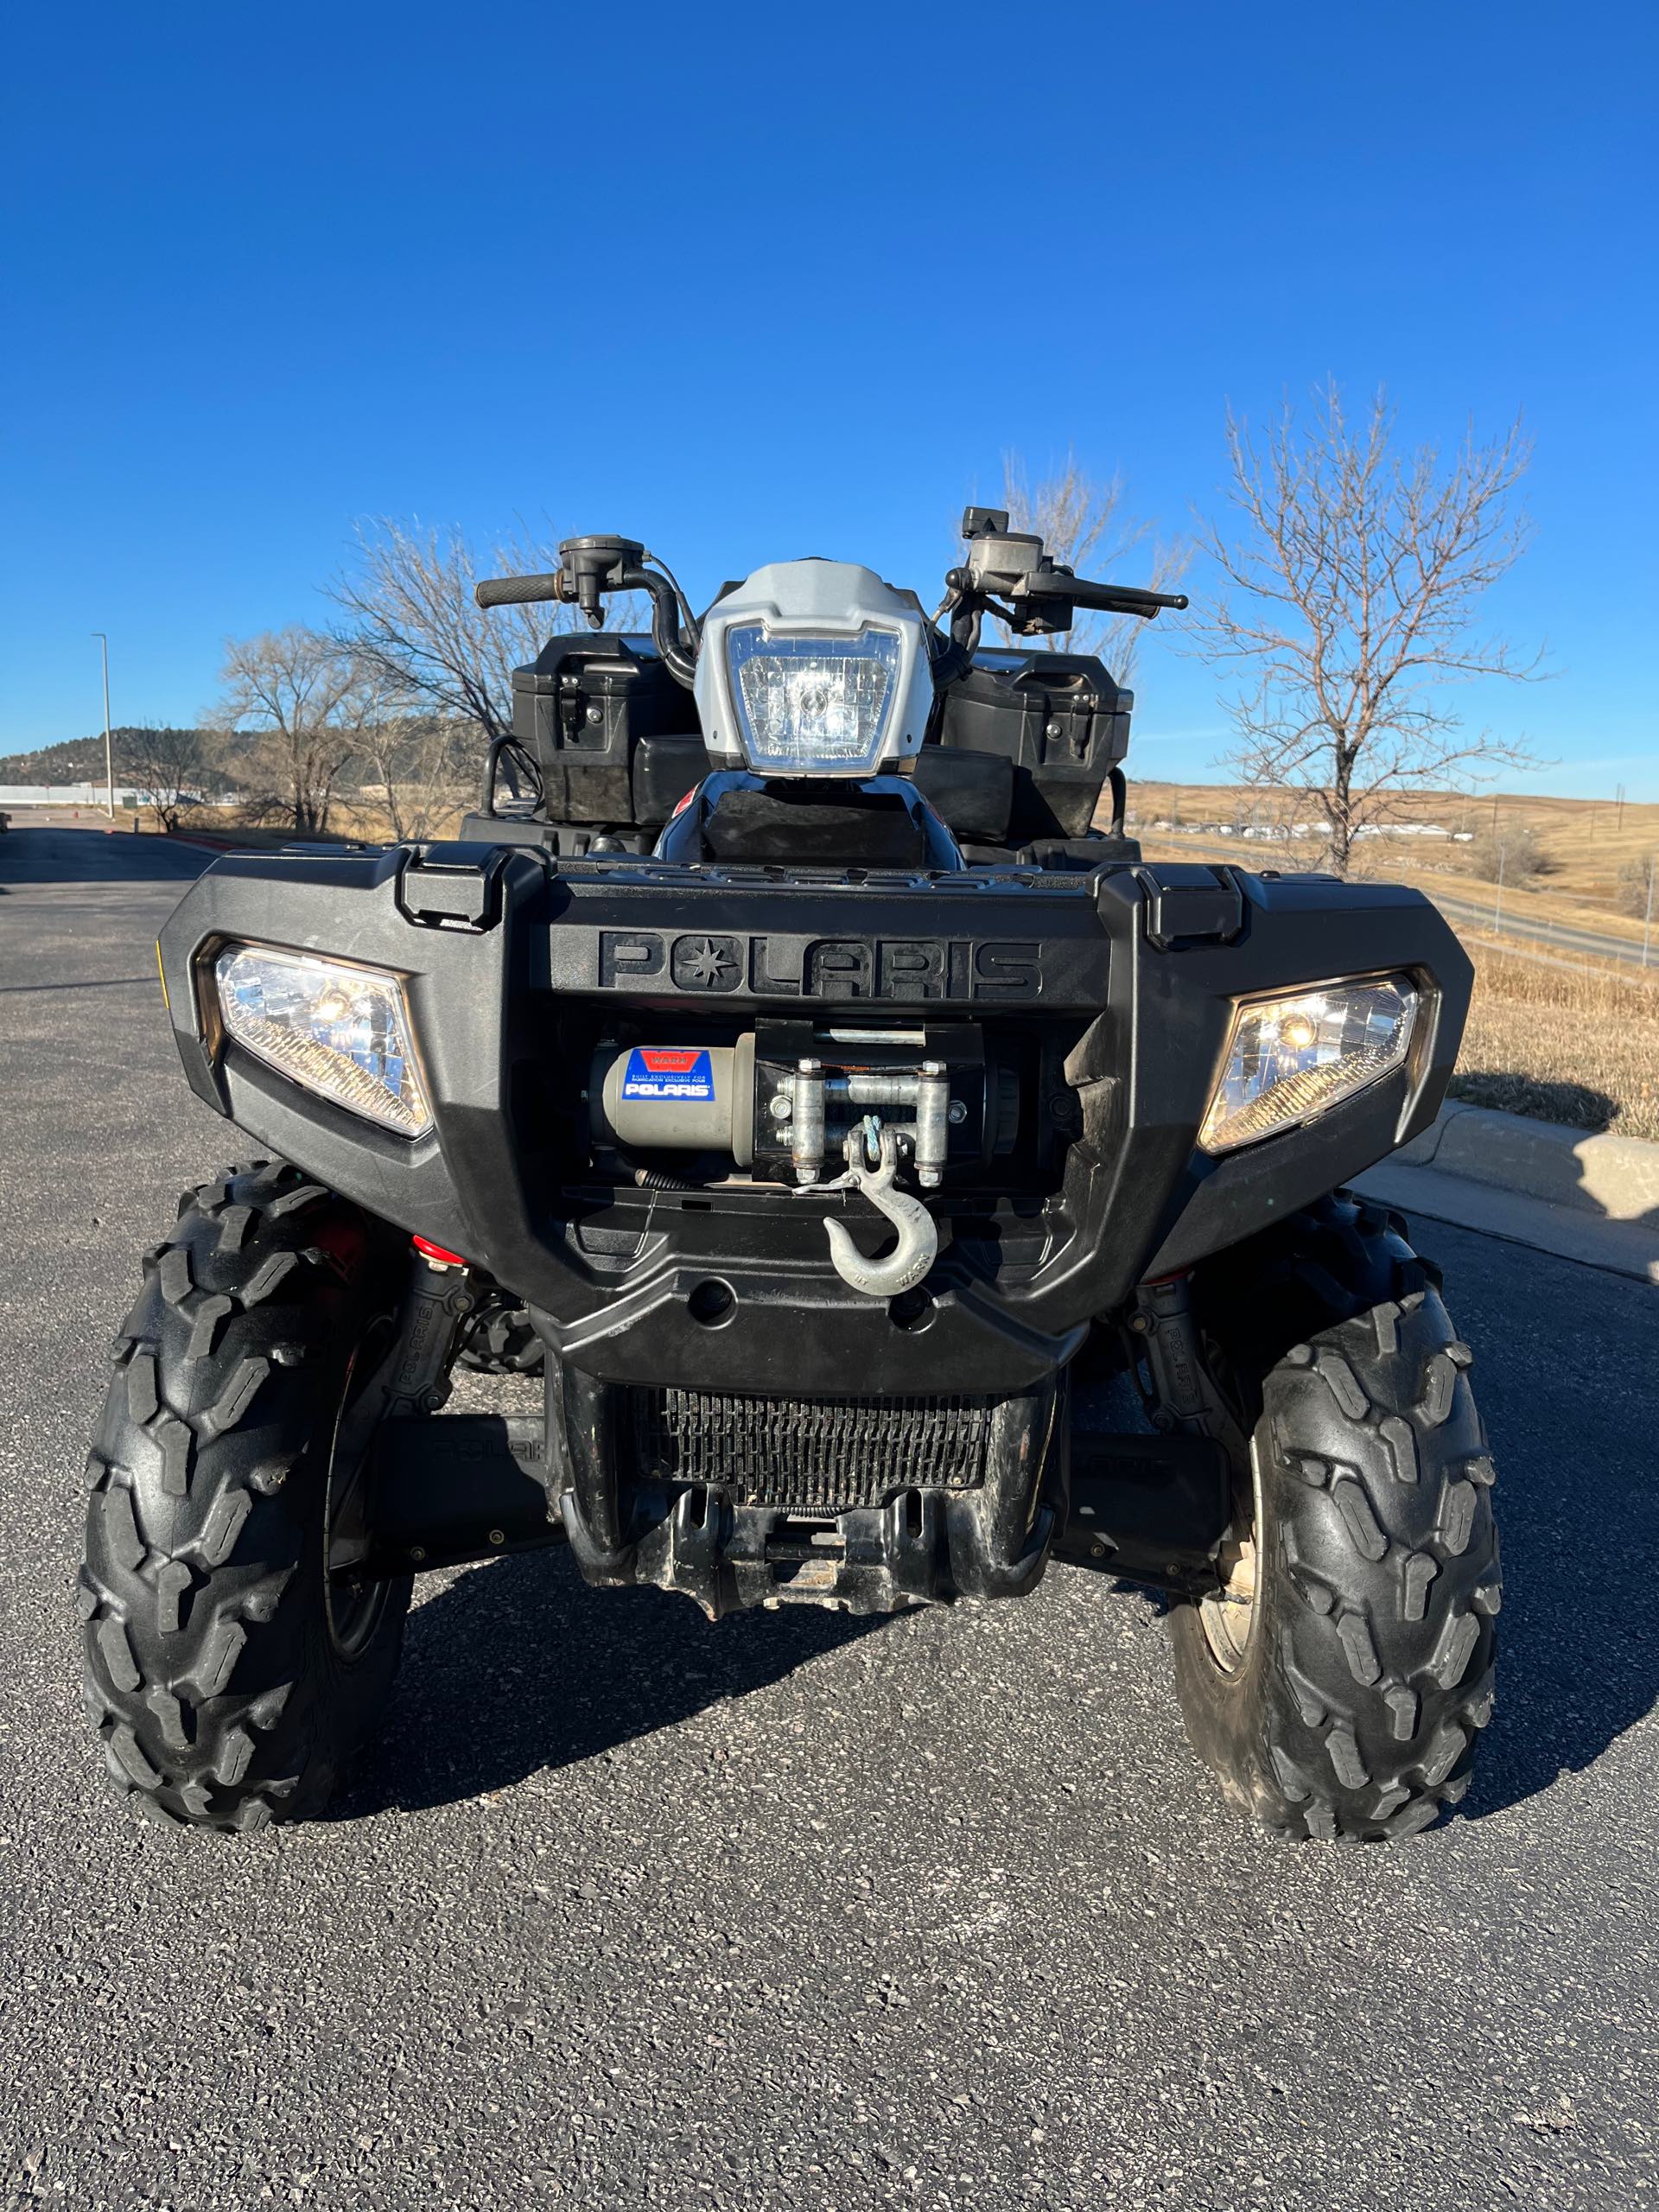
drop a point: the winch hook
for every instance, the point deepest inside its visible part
(919, 1237)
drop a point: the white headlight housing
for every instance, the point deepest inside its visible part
(341, 1031)
(814, 667)
(1290, 1057)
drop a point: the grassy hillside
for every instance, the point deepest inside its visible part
(1585, 842)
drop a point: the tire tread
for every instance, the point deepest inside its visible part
(1380, 1675)
(200, 1635)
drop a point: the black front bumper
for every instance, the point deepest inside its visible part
(1138, 967)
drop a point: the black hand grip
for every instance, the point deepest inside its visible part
(516, 591)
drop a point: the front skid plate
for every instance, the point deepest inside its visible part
(452, 1489)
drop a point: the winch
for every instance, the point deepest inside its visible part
(783, 1098)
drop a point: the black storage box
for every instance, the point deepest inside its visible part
(1058, 717)
(587, 708)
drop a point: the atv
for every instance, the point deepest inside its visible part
(898, 1184)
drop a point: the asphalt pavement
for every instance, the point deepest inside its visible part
(629, 1910)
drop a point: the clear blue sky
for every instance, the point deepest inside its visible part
(750, 282)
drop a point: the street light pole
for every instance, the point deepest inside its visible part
(109, 752)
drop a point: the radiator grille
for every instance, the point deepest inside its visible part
(818, 1454)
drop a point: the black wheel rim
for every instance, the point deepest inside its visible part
(352, 1606)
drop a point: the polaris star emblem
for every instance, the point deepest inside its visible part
(706, 964)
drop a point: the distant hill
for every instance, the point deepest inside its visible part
(76, 761)
(73, 760)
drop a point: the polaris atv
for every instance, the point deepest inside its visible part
(898, 1184)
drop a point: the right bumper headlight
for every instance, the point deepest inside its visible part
(341, 1031)
(1290, 1057)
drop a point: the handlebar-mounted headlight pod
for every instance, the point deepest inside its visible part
(814, 667)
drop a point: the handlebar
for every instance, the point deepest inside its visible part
(517, 591)
(593, 567)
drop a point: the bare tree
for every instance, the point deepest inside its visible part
(417, 765)
(1356, 583)
(302, 702)
(168, 768)
(1085, 523)
(1637, 883)
(1513, 853)
(414, 624)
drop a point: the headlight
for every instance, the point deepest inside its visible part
(342, 1031)
(1290, 1058)
(813, 702)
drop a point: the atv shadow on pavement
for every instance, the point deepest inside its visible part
(1570, 1397)
(518, 1666)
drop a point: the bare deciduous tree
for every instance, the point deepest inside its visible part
(419, 767)
(1638, 887)
(168, 768)
(414, 624)
(302, 700)
(1513, 853)
(1356, 585)
(1085, 523)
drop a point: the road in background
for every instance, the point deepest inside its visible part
(625, 1908)
(1565, 937)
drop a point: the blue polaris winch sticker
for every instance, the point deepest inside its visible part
(678, 1072)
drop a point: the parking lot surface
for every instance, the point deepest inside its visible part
(625, 1908)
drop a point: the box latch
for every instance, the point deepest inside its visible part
(453, 887)
(1190, 904)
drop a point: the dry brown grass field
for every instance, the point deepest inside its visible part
(1578, 1045)
(1585, 843)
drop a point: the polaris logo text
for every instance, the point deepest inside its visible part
(668, 1071)
(1007, 969)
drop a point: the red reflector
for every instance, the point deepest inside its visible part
(430, 1251)
(680, 804)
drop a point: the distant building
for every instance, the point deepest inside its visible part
(65, 795)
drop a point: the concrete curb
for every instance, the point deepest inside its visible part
(1614, 1178)
(1584, 1197)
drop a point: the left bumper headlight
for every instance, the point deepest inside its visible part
(1291, 1056)
(341, 1030)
